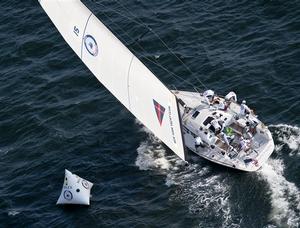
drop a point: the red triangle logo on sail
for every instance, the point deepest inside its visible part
(160, 111)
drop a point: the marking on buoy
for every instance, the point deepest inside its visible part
(68, 195)
(85, 184)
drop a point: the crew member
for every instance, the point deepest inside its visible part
(244, 144)
(198, 142)
(217, 126)
(209, 96)
(229, 133)
(231, 96)
(221, 105)
(251, 123)
(224, 136)
(244, 109)
(248, 130)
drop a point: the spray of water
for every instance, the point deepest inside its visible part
(198, 187)
(287, 135)
(285, 196)
(207, 193)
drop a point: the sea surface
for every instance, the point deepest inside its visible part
(55, 115)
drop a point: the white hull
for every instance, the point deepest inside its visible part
(262, 144)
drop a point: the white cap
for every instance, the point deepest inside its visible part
(243, 102)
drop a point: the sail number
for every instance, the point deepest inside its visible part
(76, 31)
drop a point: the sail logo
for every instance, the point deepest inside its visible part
(91, 45)
(160, 111)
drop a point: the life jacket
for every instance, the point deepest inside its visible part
(228, 131)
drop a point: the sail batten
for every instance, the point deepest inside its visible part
(83, 34)
(123, 74)
(128, 86)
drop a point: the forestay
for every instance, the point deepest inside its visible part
(125, 76)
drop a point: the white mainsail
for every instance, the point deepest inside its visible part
(125, 76)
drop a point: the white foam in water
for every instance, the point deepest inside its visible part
(150, 156)
(151, 153)
(289, 135)
(204, 193)
(285, 196)
(13, 212)
(200, 191)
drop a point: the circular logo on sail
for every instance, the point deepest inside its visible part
(91, 45)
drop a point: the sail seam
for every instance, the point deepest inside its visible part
(84, 34)
(128, 74)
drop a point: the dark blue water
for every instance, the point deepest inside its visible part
(54, 114)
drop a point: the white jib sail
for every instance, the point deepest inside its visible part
(125, 76)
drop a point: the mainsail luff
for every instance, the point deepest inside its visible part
(124, 75)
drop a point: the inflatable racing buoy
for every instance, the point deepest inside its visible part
(75, 190)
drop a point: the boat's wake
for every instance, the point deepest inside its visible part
(285, 195)
(204, 192)
(287, 135)
(208, 193)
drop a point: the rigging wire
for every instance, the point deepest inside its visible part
(172, 74)
(156, 62)
(139, 21)
(144, 56)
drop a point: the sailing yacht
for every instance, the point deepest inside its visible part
(214, 127)
(224, 132)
